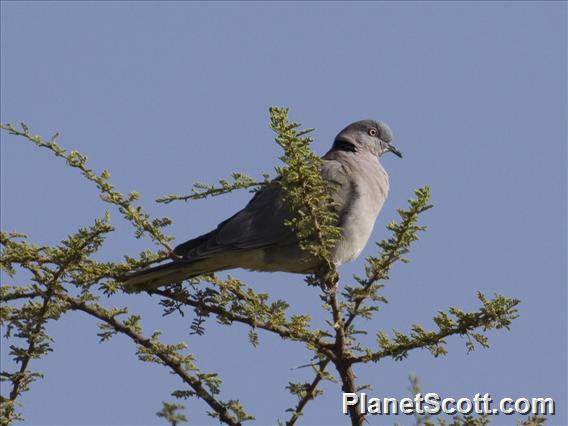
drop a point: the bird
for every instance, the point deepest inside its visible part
(256, 238)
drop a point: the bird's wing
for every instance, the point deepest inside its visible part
(261, 223)
(341, 182)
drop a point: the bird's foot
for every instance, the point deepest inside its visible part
(329, 281)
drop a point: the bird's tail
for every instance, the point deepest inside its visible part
(151, 278)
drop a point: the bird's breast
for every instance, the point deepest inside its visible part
(357, 222)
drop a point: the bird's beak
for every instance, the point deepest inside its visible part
(395, 151)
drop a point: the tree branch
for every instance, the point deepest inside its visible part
(202, 190)
(394, 248)
(30, 351)
(322, 346)
(315, 223)
(494, 314)
(310, 394)
(17, 296)
(169, 360)
(342, 360)
(134, 215)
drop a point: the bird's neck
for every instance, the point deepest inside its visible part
(343, 145)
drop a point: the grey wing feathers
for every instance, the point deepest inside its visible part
(338, 178)
(260, 224)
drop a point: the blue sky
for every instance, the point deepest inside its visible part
(165, 94)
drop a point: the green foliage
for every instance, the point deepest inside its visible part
(170, 413)
(201, 190)
(66, 277)
(378, 267)
(140, 220)
(494, 314)
(533, 421)
(305, 192)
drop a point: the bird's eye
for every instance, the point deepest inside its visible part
(372, 131)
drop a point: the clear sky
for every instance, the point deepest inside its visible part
(165, 94)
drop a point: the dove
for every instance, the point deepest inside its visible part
(256, 238)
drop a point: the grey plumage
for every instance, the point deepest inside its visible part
(256, 238)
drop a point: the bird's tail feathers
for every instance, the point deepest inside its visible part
(152, 278)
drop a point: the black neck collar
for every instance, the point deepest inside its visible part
(344, 145)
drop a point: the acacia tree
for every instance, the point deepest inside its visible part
(66, 277)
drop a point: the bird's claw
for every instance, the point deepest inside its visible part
(329, 281)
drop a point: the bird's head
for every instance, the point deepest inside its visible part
(366, 135)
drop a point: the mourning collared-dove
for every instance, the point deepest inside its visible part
(256, 238)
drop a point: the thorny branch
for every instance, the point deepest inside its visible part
(19, 377)
(310, 393)
(315, 225)
(125, 205)
(203, 190)
(284, 331)
(174, 362)
(342, 362)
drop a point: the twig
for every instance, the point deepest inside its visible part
(17, 296)
(368, 283)
(310, 391)
(211, 191)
